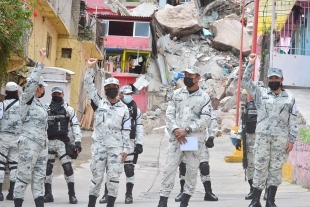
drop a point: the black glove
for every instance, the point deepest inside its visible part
(78, 146)
(238, 144)
(138, 149)
(209, 143)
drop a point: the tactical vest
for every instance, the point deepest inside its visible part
(251, 117)
(58, 124)
(133, 115)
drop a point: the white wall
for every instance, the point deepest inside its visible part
(296, 69)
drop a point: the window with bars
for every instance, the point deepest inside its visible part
(48, 46)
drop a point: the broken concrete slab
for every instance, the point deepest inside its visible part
(145, 9)
(227, 34)
(181, 20)
(212, 67)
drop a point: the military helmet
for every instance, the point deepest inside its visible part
(111, 81)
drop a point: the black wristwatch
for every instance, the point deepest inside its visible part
(188, 130)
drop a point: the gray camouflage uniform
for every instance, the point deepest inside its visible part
(133, 142)
(276, 125)
(58, 147)
(204, 153)
(10, 127)
(250, 141)
(32, 141)
(185, 110)
(110, 138)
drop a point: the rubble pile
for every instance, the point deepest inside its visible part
(207, 37)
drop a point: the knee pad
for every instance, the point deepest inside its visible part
(204, 168)
(49, 168)
(182, 168)
(67, 169)
(129, 170)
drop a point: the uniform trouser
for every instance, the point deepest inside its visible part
(103, 157)
(270, 155)
(31, 167)
(250, 141)
(57, 147)
(204, 157)
(129, 161)
(173, 160)
(8, 154)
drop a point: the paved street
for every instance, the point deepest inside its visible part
(227, 180)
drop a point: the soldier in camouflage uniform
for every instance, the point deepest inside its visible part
(32, 144)
(188, 114)
(276, 131)
(61, 118)
(10, 127)
(204, 163)
(136, 143)
(112, 126)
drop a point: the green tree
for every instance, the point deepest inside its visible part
(14, 20)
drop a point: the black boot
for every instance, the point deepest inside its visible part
(11, 190)
(163, 201)
(1, 194)
(250, 195)
(185, 200)
(92, 201)
(128, 195)
(48, 197)
(39, 201)
(18, 202)
(104, 198)
(179, 197)
(71, 193)
(266, 194)
(209, 196)
(271, 196)
(256, 198)
(111, 201)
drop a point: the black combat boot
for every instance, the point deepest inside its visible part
(18, 202)
(71, 193)
(39, 201)
(104, 198)
(128, 195)
(111, 201)
(250, 195)
(163, 201)
(271, 196)
(11, 190)
(209, 196)
(256, 198)
(179, 197)
(185, 200)
(1, 194)
(266, 194)
(92, 201)
(48, 197)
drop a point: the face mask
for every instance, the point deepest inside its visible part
(127, 99)
(111, 92)
(57, 99)
(42, 94)
(274, 85)
(188, 82)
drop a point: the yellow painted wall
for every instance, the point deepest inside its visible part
(75, 64)
(38, 39)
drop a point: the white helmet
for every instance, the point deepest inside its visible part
(111, 81)
(11, 86)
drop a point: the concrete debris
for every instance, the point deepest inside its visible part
(227, 37)
(181, 20)
(145, 9)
